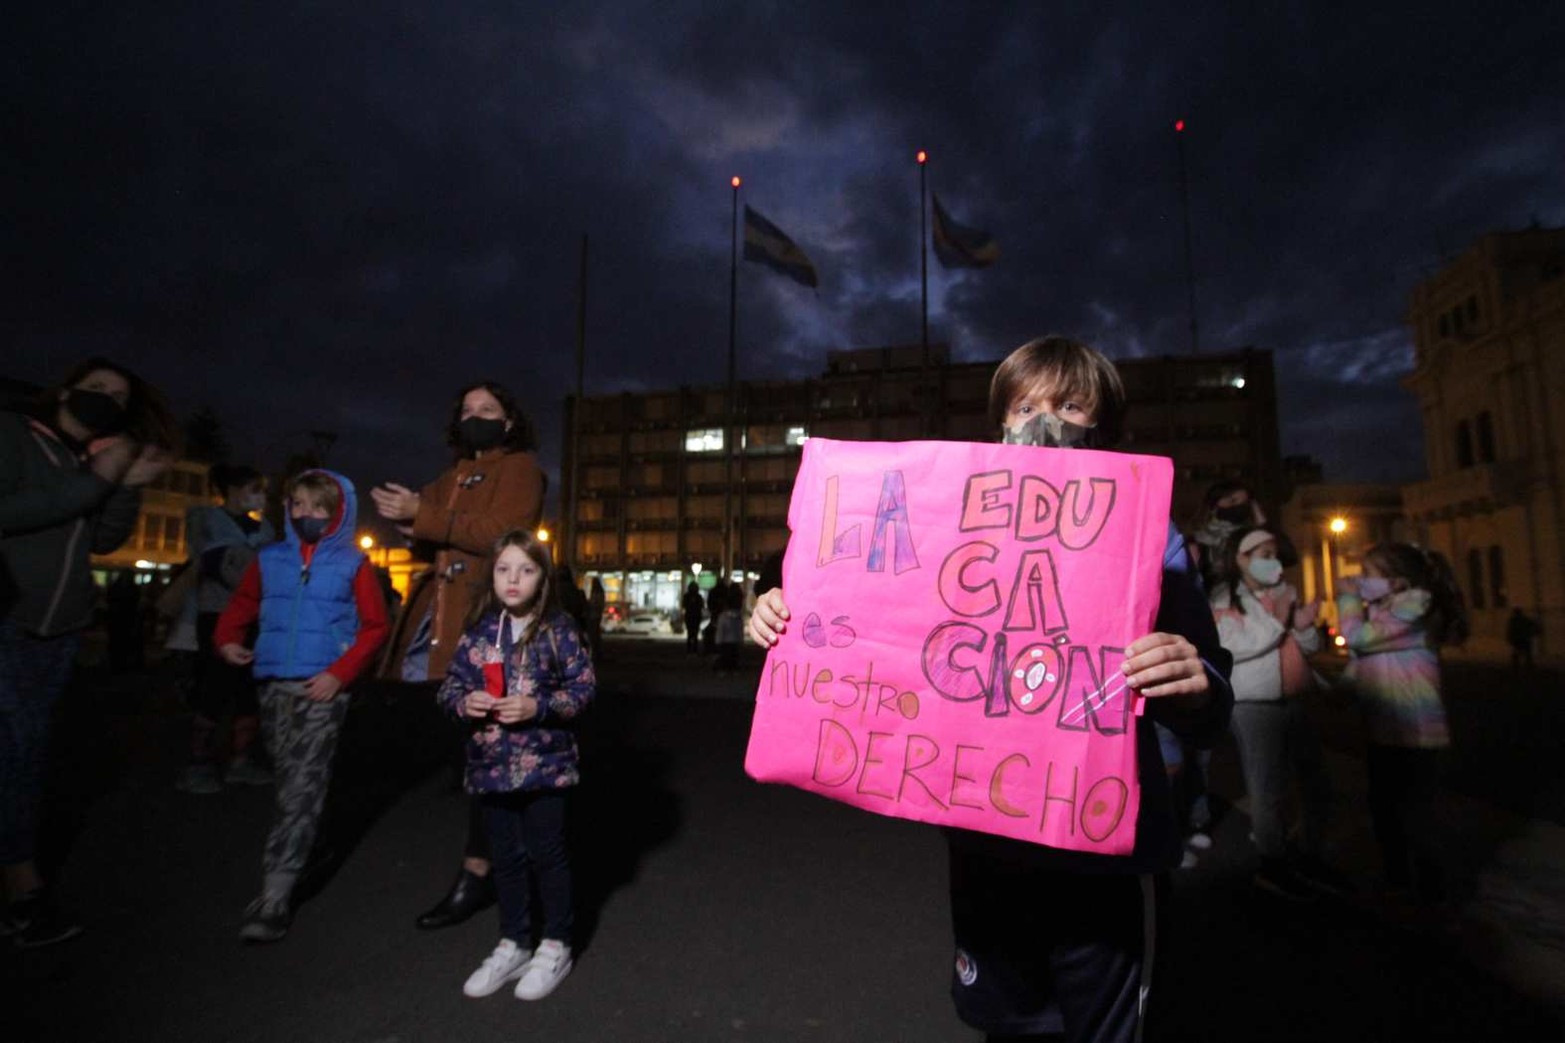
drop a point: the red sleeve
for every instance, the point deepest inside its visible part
(242, 610)
(373, 627)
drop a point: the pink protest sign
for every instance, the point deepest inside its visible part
(959, 615)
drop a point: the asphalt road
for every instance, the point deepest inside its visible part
(714, 908)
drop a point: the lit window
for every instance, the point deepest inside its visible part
(797, 436)
(704, 440)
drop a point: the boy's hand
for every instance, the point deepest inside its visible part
(1161, 665)
(769, 620)
(322, 687)
(478, 704)
(236, 655)
(514, 709)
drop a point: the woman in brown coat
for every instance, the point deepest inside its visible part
(494, 486)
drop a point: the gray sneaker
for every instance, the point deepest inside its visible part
(265, 921)
(246, 772)
(199, 778)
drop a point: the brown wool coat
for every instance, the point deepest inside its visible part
(460, 516)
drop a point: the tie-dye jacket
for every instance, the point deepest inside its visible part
(554, 668)
(1394, 670)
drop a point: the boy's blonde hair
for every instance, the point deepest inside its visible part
(1069, 369)
(320, 488)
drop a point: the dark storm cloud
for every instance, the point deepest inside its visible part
(330, 218)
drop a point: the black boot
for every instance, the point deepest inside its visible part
(467, 896)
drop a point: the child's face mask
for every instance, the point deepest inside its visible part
(311, 530)
(1048, 430)
(1266, 571)
(1373, 588)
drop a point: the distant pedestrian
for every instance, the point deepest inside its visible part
(693, 608)
(1395, 617)
(716, 598)
(520, 676)
(729, 630)
(1269, 633)
(321, 619)
(597, 602)
(493, 486)
(223, 540)
(71, 474)
(1520, 632)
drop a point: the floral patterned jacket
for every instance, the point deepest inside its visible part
(553, 668)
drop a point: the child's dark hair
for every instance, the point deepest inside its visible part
(1226, 571)
(544, 604)
(320, 487)
(1428, 570)
(227, 477)
(1070, 369)
(148, 418)
(519, 438)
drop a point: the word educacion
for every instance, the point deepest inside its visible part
(1005, 650)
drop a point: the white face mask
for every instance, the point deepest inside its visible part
(1266, 571)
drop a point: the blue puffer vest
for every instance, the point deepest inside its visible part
(308, 614)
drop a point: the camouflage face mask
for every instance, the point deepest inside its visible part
(1050, 431)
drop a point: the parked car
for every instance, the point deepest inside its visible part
(645, 621)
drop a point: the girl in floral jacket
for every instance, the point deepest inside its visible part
(519, 677)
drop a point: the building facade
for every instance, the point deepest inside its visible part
(1489, 372)
(656, 481)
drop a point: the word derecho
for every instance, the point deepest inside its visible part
(936, 660)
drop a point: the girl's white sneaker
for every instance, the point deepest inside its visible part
(548, 967)
(507, 962)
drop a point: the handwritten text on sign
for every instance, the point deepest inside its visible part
(959, 617)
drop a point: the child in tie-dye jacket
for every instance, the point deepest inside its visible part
(1394, 618)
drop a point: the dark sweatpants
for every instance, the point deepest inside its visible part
(1049, 952)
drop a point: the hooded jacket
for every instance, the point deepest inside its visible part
(54, 514)
(318, 605)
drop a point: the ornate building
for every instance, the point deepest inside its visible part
(1489, 331)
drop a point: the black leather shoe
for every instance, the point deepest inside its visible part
(467, 896)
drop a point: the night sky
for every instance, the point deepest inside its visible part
(332, 215)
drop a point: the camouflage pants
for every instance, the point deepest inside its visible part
(301, 736)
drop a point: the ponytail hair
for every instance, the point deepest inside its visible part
(544, 603)
(1447, 620)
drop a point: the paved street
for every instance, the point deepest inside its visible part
(719, 909)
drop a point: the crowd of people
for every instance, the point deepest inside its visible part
(281, 630)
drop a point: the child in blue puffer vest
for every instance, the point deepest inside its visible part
(321, 618)
(518, 678)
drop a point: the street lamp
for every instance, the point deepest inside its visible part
(367, 542)
(1335, 527)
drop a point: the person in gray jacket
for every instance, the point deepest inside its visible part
(70, 479)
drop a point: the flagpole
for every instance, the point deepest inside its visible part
(581, 382)
(728, 434)
(1184, 205)
(923, 251)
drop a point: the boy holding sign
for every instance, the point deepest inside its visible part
(1050, 941)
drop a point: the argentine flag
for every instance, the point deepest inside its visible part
(766, 243)
(960, 247)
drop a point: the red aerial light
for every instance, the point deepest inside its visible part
(923, 157)
(735, 181)
(1179, 126)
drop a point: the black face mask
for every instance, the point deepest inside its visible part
(311, 530)
(1050, 431)
(97, 412)
(479, 433)
(1241, 514)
